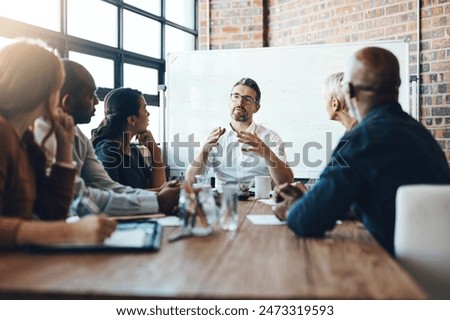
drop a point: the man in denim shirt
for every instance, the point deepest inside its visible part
(385, 150)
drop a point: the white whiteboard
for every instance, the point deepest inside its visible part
(291, 80)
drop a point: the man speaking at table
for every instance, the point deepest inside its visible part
(385, 150)
(246, 149)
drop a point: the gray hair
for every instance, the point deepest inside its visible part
(333, 86)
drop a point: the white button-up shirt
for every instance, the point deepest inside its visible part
(230, 163)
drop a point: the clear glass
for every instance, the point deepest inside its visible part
(202, 180)
(228, 215)
(181, 12)
(141, 78)
(152, 6)
(178, 40)
(154, 125)
(101, 69)
(206, 214)
(42, 13)
(141, 34)
(198, 211)
(83, 15)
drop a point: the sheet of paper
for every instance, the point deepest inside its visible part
(127, 238)
(269, 201)
(137, 216)
(170, 221)
(265, 219)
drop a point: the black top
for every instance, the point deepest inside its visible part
(130, 170)
(386, 150)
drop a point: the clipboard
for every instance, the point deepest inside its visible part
(129, 236)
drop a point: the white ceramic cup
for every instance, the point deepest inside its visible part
(262, 187)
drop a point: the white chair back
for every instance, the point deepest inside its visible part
(422, 236)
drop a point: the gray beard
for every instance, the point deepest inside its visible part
(244, 118)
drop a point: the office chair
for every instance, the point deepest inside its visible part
(422, 236)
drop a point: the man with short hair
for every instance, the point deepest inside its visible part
(247, 149)
(386, 150)
(95, 190)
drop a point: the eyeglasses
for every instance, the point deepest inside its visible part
(235, 97)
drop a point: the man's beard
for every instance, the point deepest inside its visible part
(241, 117)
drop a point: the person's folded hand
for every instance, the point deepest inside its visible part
(285, 195)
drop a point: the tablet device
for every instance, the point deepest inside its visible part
(128, 236)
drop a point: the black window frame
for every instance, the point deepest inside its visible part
(64, 42)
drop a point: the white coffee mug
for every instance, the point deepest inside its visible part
(262, 187)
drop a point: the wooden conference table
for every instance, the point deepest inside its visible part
(256, 262)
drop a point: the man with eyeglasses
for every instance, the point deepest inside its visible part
(246, 149)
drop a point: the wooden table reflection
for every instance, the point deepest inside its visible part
(255, 262)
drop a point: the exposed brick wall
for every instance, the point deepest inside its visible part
(233, 24)
(245, 24)
(435, 70)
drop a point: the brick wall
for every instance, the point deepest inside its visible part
(435, 70)
(258, 23)
(232, 24)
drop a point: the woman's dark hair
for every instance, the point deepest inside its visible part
(252, 84)
(120, 103)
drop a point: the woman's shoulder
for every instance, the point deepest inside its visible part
(107, 143)
(108, 148)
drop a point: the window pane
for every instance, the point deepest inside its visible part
(42, 13)
(141, 35)
(178, 40)
(141, 78)
(152, 6)
(95, 120)
(93, 20)
(102, 70)
(154, 126)
(181, 12)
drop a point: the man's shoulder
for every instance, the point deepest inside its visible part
(78, 133)
(262, 130)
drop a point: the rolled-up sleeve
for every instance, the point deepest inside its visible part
(93, 200)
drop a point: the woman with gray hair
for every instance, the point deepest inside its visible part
(337, 109)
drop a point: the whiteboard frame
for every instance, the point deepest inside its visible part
(192, 60)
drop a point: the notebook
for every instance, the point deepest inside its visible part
(128, 236)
